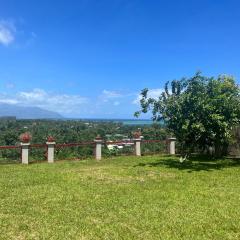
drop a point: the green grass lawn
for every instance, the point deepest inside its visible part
(151, 197)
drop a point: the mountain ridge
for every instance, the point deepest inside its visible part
(23, 112)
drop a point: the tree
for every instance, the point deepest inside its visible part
(200, 111)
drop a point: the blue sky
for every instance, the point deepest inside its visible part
(91, 58)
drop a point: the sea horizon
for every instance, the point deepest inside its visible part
(125, 121)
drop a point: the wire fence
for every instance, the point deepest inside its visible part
(74, 151)
(118, 148)
(152, 147)
(38, 152)
(10, 154)
(82, 150)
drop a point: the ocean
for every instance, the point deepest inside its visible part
(123, 121)
(135, 122)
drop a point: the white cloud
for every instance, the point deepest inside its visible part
(116, 103)
(107, 95)
(111, 94)
(62, 103)
(35, 95)
(70, 105)
(155, 93)
(152, 93)
(7, 32)
(8, 101)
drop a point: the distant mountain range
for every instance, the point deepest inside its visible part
(27, 112)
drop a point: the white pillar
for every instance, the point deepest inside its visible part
(171, 145)
(137, 145)
(25, 150)
(98, 148)
(50, 152)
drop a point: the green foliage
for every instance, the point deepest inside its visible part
(200, 111)
(69, 131)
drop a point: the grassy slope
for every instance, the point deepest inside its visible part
(121, 198)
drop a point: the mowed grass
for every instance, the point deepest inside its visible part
(152, 197)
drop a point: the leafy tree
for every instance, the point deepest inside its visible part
(68, 131)
(200, 111)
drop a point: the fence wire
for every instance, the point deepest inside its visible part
(37, 153)
(152, 147)
(74, 151)
(82, 150)
(118, 148)
(10, 154)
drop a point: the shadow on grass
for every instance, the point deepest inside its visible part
(194, 164)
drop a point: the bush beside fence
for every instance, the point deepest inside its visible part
(50, 151)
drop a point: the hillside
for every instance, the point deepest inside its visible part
(27, 112)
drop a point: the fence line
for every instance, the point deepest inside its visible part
(38, 145)
(74, 144)
(9, 147)
(150, 147)
(50, 149)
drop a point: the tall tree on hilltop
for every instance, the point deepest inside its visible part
(200, 111)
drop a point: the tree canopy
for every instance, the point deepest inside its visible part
(200, 111)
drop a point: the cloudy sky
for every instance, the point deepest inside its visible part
(91, 58)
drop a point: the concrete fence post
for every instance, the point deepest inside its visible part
(25, 152)
(171, 145)
(50, 151)
(98, 148)
(137, 146)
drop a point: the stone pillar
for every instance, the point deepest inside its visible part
(98, 148)
(50, 151)
(171, 145)
(25, 152)
(137, 146)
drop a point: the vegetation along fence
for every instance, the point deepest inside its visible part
(10, 154)
(50, 151)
